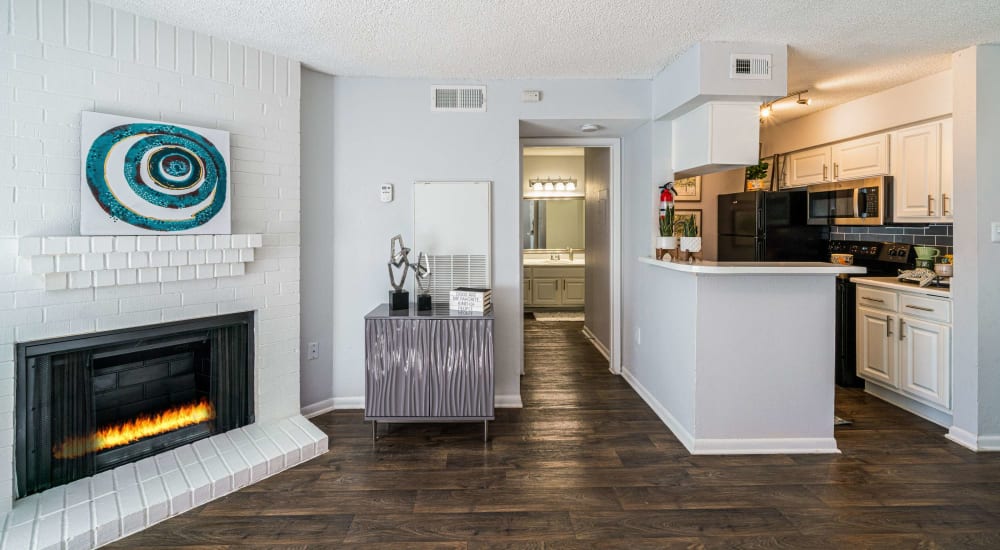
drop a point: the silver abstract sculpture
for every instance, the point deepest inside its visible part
(400, 260)
(422, 273)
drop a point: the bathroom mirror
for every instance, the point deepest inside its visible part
(552, 223)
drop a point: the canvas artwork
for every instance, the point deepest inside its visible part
(688, 189)
(148, 177)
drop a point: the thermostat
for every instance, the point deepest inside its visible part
(385, 192)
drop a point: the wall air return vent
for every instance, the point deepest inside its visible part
(458, 99)
(750, 66)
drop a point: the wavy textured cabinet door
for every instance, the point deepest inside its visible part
(428, 367)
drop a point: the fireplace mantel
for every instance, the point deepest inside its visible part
(84, 262)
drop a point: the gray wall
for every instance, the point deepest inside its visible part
(976, 376)
(317, 245)
(386, 133)
(597, 306)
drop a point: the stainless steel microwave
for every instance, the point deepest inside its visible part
(854, 202)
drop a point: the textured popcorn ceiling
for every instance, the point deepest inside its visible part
(840, 49)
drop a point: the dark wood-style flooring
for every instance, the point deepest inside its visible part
(586, 464)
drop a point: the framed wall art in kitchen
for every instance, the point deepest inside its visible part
(688, 189)
(682, 215)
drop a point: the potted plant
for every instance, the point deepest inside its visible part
(666, 242)
(757, 176)
(687, 226)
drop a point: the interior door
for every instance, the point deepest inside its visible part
(925, 349)
(876, 346)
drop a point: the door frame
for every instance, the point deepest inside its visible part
(616, 234)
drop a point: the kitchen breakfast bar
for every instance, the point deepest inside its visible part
(742, 361)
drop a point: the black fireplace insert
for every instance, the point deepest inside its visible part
(91, 403)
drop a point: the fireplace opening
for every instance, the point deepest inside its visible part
(92, 403)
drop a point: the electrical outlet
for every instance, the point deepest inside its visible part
(638, 336)
(995, 232)
(312, 349)
(385, 192)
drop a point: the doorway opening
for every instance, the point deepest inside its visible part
(568, 245)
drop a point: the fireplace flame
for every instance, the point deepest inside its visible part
(138, 428)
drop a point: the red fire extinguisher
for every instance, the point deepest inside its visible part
(667, 194)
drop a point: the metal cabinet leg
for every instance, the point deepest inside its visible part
(374, 430)
(486, 430)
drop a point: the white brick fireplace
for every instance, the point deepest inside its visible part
(63, 57)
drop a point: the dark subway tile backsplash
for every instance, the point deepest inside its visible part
(936, 235)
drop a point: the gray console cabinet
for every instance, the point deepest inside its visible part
(434, 366)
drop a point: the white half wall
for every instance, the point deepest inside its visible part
(386, 133)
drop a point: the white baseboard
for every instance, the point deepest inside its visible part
(601, 348)
(964, 438)
(787, 445)
(695, 446)
(989, 443)
(973, 442)
(353, 402)
(672, 423)
(508, 401)
(317, 408)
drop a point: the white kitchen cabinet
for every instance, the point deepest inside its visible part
(847, 160)
(876, 346)
(916, 171)
(947, 171)
(808, 167)
(861, 158)
(554, 286)
(924, 357)
(922, 164)
(904, 345)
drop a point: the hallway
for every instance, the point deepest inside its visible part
(586, 464)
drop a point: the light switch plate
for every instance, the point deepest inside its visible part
(995, 232)
(385, 192)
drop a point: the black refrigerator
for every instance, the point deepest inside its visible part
(768, 226)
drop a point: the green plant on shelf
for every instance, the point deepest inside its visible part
(667, 223)
(757, 172)
(686, 226)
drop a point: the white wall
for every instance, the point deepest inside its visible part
(923, 99)
(56, 63)
(317, 248)
(386, 132)
(976, 415)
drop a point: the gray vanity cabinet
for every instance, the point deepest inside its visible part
(434, 366)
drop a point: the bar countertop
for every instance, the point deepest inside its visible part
(709, 267)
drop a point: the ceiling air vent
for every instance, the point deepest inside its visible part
(459, 99)
(750, 66)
